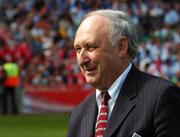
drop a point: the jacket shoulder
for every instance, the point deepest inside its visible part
(77, 114)
(83, 105)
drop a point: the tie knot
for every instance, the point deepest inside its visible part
(105, 97)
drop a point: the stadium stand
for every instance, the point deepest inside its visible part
(38, 35)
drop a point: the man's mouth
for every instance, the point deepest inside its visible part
(90, 71)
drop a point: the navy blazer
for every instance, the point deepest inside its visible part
(147, 105)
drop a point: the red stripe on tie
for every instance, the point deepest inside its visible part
(102, 119)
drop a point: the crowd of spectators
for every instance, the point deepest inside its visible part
(38, 35)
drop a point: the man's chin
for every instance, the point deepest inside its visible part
(91, 81)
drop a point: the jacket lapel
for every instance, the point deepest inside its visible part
(89, 119)
(125, 103)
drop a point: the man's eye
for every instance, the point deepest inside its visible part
(91, 48)
(77, 49)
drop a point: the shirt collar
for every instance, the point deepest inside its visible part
(115, 87)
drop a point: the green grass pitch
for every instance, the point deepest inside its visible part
(34, 125)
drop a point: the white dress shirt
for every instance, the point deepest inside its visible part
(113, 90)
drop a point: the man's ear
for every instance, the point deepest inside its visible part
(123, 47)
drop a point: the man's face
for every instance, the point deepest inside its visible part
(97, 58)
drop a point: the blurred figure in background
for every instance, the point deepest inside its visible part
(10, 81)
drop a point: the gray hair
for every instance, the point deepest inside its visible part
(120, 25)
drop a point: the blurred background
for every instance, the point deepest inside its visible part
(37, 36)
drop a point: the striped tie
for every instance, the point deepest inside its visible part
(101, 123)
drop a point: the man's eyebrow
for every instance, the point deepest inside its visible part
(87, 44)
(91, 43)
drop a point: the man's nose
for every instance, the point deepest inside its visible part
(83, 58)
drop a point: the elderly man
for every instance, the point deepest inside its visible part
(127, 102)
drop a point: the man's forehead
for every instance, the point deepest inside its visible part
(91, 27)
(94, 23)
